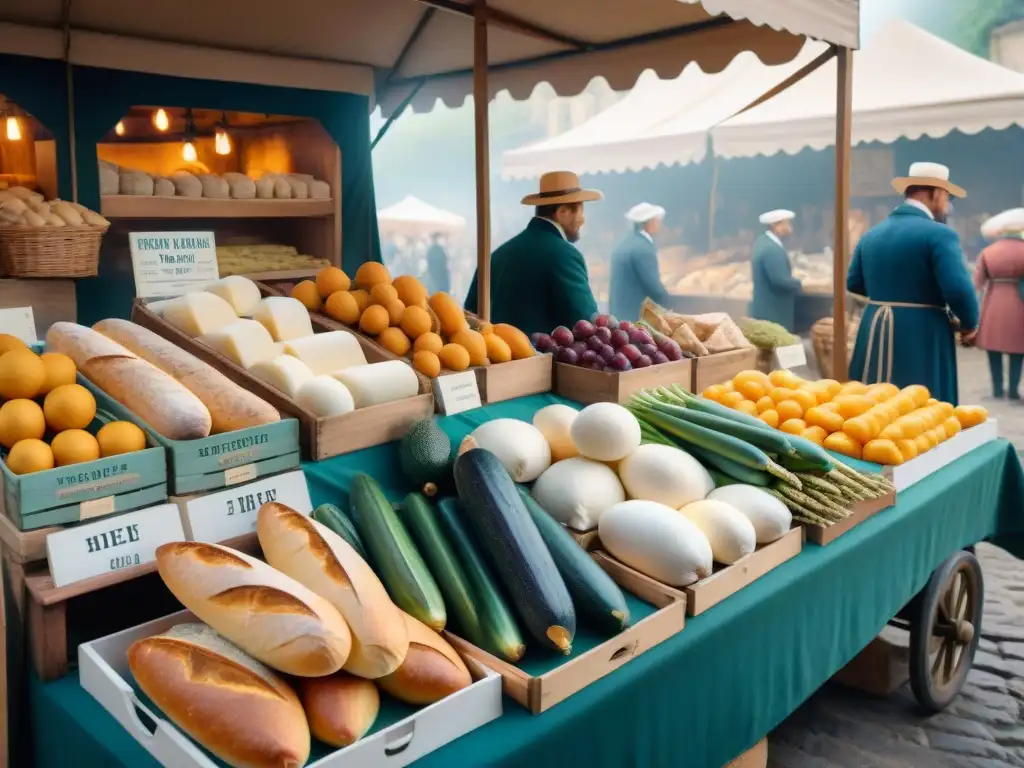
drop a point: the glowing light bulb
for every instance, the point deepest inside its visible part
(13, 129)
(188, 152)
(161, 121)
(119, 128)
(222, 142)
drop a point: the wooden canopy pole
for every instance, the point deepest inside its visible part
(840, 258)
(483, 160)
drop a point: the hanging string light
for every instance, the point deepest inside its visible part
(188, 149)
(119, 128)
(161, 121)
(222, 139)
(13, 128)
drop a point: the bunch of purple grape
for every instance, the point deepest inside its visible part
(607, 344)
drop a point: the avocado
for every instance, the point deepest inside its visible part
(425, 455)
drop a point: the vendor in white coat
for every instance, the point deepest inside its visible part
(775, 288)
(634, 264)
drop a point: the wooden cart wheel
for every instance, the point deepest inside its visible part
(945, 630)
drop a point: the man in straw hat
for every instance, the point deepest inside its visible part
(538, 279)
(775, 288)
(634, 264)
(910, 271)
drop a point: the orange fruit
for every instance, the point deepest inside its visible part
(748, 407)
(427, 363)
(22, 374)
(789, 409)
(842, 443)
(370, 273)
(21, 419)
(69, 406)
(918, 393)
(362, 299)
(415, 321)
(831, 386)
(29, 455)
(307, 293)
(781, 393)
(342, 306)
(9, 342)
(765, 404)
(793, 426)
(816, 435)
(853, 405)
(970, 415)
(74, 446)
(826, 418)
(331, 279)
(783, 378)
(119, 437)
(806, 399)
(714, 392)
(410, 290)
(428, 342)
(752, 390)
(907, 449)
(770, 417)
(853, 388)
(374, 320)
(732, 399)
(60, 369)
(383, 293)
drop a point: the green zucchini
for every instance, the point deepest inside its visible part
(509, 538)
(499, 633)
(811, 453)
(728, 446)
(420, 519)
(770, 441)
(331, 516)
(393, 555)
(738, 472)
(594, 593)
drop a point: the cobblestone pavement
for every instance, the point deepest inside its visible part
(984, 727)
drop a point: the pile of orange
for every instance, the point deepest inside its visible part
(432, 331)
(46, 415)
(879, 423)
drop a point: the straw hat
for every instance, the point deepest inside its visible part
(774, 217)
(928, 175)
(560, 187)
(644, 212)
(1009, 222)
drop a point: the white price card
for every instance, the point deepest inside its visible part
(792, 356)
(111, 544)
(168, 264)
(457, 392)
(232, 512)
(20, 322)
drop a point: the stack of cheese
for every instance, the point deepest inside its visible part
(196, 181)
(272, 338)
(21, 207)
(178, 395)
(318, 613)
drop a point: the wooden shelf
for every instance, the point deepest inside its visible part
(139, 207)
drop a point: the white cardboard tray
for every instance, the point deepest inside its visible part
(905, 475)
(103, 671)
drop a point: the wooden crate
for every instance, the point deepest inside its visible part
(320, 438)
(715, 369)
(859, 512)
(587, 386)
(755, 757)
(539, 694)
(881, 668)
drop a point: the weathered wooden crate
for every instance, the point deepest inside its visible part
(586, 386)
(715, 369)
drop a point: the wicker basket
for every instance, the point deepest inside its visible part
(50, 251)
(821, 339)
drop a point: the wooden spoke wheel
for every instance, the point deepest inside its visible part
(945, 629)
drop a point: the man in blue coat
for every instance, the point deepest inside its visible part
(539, 279)
(775, 288)
(634, 265)
(911, 272)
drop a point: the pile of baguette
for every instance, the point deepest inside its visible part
(177, 394)
(21, 207)
(195, 182)
(314, 611)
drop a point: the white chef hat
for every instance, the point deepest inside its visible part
(1007, 222)
(774, 217)
(644, 212)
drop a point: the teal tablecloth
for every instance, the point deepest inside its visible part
(705, 695)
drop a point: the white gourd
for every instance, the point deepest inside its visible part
(731, 534)
(379, 383)
(664, 474)
(657, 541)
(577, 492)
(325, 396)
(605, 432)
(555, 423)
(519, 446)
(770, 517)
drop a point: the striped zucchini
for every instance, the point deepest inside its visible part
(728, 446)
(499, 633)
(420, 519)
(393, 555)
(331, 516)
(510, 539)
(738, 472)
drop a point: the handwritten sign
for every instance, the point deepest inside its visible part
(112, 544)
(457, 392)
(170, 264)
(232, 512)
(20, 322)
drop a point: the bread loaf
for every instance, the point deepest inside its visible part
(282, 189)
(33, 219)
(340, 708)
(319, 190)
(264, 612)
(230, 406)
(265, 188)
(325, 563)
(149, 393)
(240, 186)
(163, 187)
(300, 187)
(71, 217)
(135, 183)
(53, 220)
(110, 182)
(186, 185)
(214, 186)
(431, 670)
(230, 703)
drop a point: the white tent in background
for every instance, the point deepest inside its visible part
(414, 217)
(907, 83)
(659, 122)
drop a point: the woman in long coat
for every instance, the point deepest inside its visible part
(999, 273)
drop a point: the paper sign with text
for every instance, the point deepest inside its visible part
(232, 512)
(170, 264)
(457, 392)
(20, 322)
(112, 544)
(793, 356)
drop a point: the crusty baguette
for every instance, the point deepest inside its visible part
(325, 563)
(230, 703)
(263, 612)
(431, 670)
(340, 708)
(230, 406)
(145, 390)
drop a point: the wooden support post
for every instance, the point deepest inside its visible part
(840, 258)
(481, 101)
